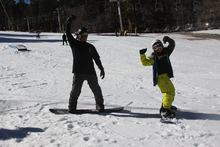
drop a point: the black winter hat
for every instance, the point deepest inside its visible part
(82, 31)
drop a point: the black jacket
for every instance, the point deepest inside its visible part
(83, 55)
(163, 61)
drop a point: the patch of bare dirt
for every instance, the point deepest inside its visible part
(202, 36)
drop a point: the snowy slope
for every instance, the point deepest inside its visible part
(31, 82)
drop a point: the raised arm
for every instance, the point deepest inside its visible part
(68, 32)
(171, 45)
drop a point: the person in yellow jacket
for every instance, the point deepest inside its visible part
(162, 72)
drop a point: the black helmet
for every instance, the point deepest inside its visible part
(83, 31)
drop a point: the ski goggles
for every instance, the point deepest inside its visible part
(156, 46)
(84, 34)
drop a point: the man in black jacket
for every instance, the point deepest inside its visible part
(83, 67)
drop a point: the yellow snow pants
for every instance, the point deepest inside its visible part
(167, 88)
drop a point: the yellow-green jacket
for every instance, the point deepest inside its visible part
(161, 64)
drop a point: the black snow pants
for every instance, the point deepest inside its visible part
(78, 80)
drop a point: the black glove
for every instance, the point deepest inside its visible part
(165, 39)
(72, 17)
(102, 74)
(143, 51)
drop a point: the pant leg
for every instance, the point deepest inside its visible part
(76, 90)
(167, 88)
(96, 89)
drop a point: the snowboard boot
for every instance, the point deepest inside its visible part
(72, 109)
(173, 109)
(100, 108)
(167, 113)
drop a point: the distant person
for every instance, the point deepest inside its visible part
(162, 70)
(83, 67)
(116, 32)
(64, 39)
(38, 34)
(76, 35)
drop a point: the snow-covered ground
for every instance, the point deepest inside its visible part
(34, 81)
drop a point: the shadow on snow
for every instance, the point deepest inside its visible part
(197, 116)
(179, 115)
(18, 38)
(15, 40)
(19, 133)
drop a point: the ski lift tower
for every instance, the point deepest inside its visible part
(119, 12)
(28, 23)
(58, 13)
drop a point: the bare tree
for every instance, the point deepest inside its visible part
(211, 9)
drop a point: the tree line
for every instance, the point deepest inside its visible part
(102, 15)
